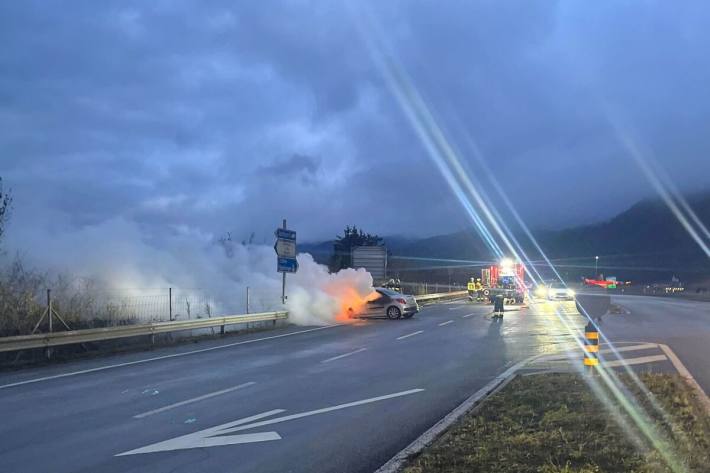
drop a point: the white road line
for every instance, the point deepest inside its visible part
(343, 356)
(216, 436)
(446, 323)
(194, 399)
(467, 315)
(683, 371)
(634, 361)
(410, 335)
(458, 308)
(156, 358)
(575, 350)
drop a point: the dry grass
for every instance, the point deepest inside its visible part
(553, 423)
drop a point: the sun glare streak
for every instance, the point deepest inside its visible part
(447, 160)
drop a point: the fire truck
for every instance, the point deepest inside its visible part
(507, 279)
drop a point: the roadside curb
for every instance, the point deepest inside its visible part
(685, 374)
(476, 399)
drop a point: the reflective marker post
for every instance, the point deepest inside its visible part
(591, 346)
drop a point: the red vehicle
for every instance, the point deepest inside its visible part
(600, 282)
(506, 278)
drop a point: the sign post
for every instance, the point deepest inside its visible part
(285, 248)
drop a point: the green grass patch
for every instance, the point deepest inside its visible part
(555, 423)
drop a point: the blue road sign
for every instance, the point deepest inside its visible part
(283, 234)
(287, 265)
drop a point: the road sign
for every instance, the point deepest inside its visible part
(285, 248)
(221, 435)
(283, 234)
(287, 265)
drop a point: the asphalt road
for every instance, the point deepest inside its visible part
(336, 399)
(683, 325)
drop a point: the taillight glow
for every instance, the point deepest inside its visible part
(401, 301)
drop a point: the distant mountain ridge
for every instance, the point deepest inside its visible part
(644, 242)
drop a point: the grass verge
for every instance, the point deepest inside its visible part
(555, 423)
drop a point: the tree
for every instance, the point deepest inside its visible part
(343, 246)
(5, 203)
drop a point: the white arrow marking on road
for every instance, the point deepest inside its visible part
(214, 436)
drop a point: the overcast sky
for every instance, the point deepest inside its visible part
(207, 117)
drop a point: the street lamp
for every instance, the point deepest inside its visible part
(596, 267)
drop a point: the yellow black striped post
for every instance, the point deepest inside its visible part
(591, 345)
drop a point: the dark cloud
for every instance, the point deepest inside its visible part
(215, 116)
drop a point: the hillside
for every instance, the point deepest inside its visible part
(645, 242)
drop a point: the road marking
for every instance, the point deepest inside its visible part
(458, 308)
(343, 356)
(563, 356)
(395, 463)
(683, 371)
(194, 399)
(156, 358)
(410, 335)
(446, 323)
(216, 436)
(634, 361)
(468, 315)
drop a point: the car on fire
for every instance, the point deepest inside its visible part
(387, 303)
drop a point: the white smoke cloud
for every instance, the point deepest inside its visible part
(121, 258)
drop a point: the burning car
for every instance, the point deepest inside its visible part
(386, 303)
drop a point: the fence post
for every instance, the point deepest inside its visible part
(49, 316)
(49, 308)
(170, 303)
(247, 299)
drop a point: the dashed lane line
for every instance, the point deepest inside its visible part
(343, 355)
(194, 399)
(410, 335)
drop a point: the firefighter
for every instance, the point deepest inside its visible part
(479, 290)
(471, 288)
(498, 306)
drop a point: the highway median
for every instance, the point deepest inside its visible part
(554, 422)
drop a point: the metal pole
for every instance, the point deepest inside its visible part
(283, 280)
(49, 315)
(170, 303)
(49, 308)
(247, 299)
(596, 265)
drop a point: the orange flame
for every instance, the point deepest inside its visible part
(351, 302)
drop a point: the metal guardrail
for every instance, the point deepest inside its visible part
(46, 340)
(53, 339)
(442, 295)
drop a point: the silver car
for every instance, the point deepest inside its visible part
(388, 303)
(557, 291)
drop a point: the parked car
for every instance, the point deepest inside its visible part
(558, 291)
(388, 303)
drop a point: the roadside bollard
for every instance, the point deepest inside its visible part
(591, 345)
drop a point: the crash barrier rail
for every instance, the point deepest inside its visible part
(591, 345)
(46, 340)
(442, 295)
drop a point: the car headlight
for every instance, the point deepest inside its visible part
(541, 291)
(570, 292)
